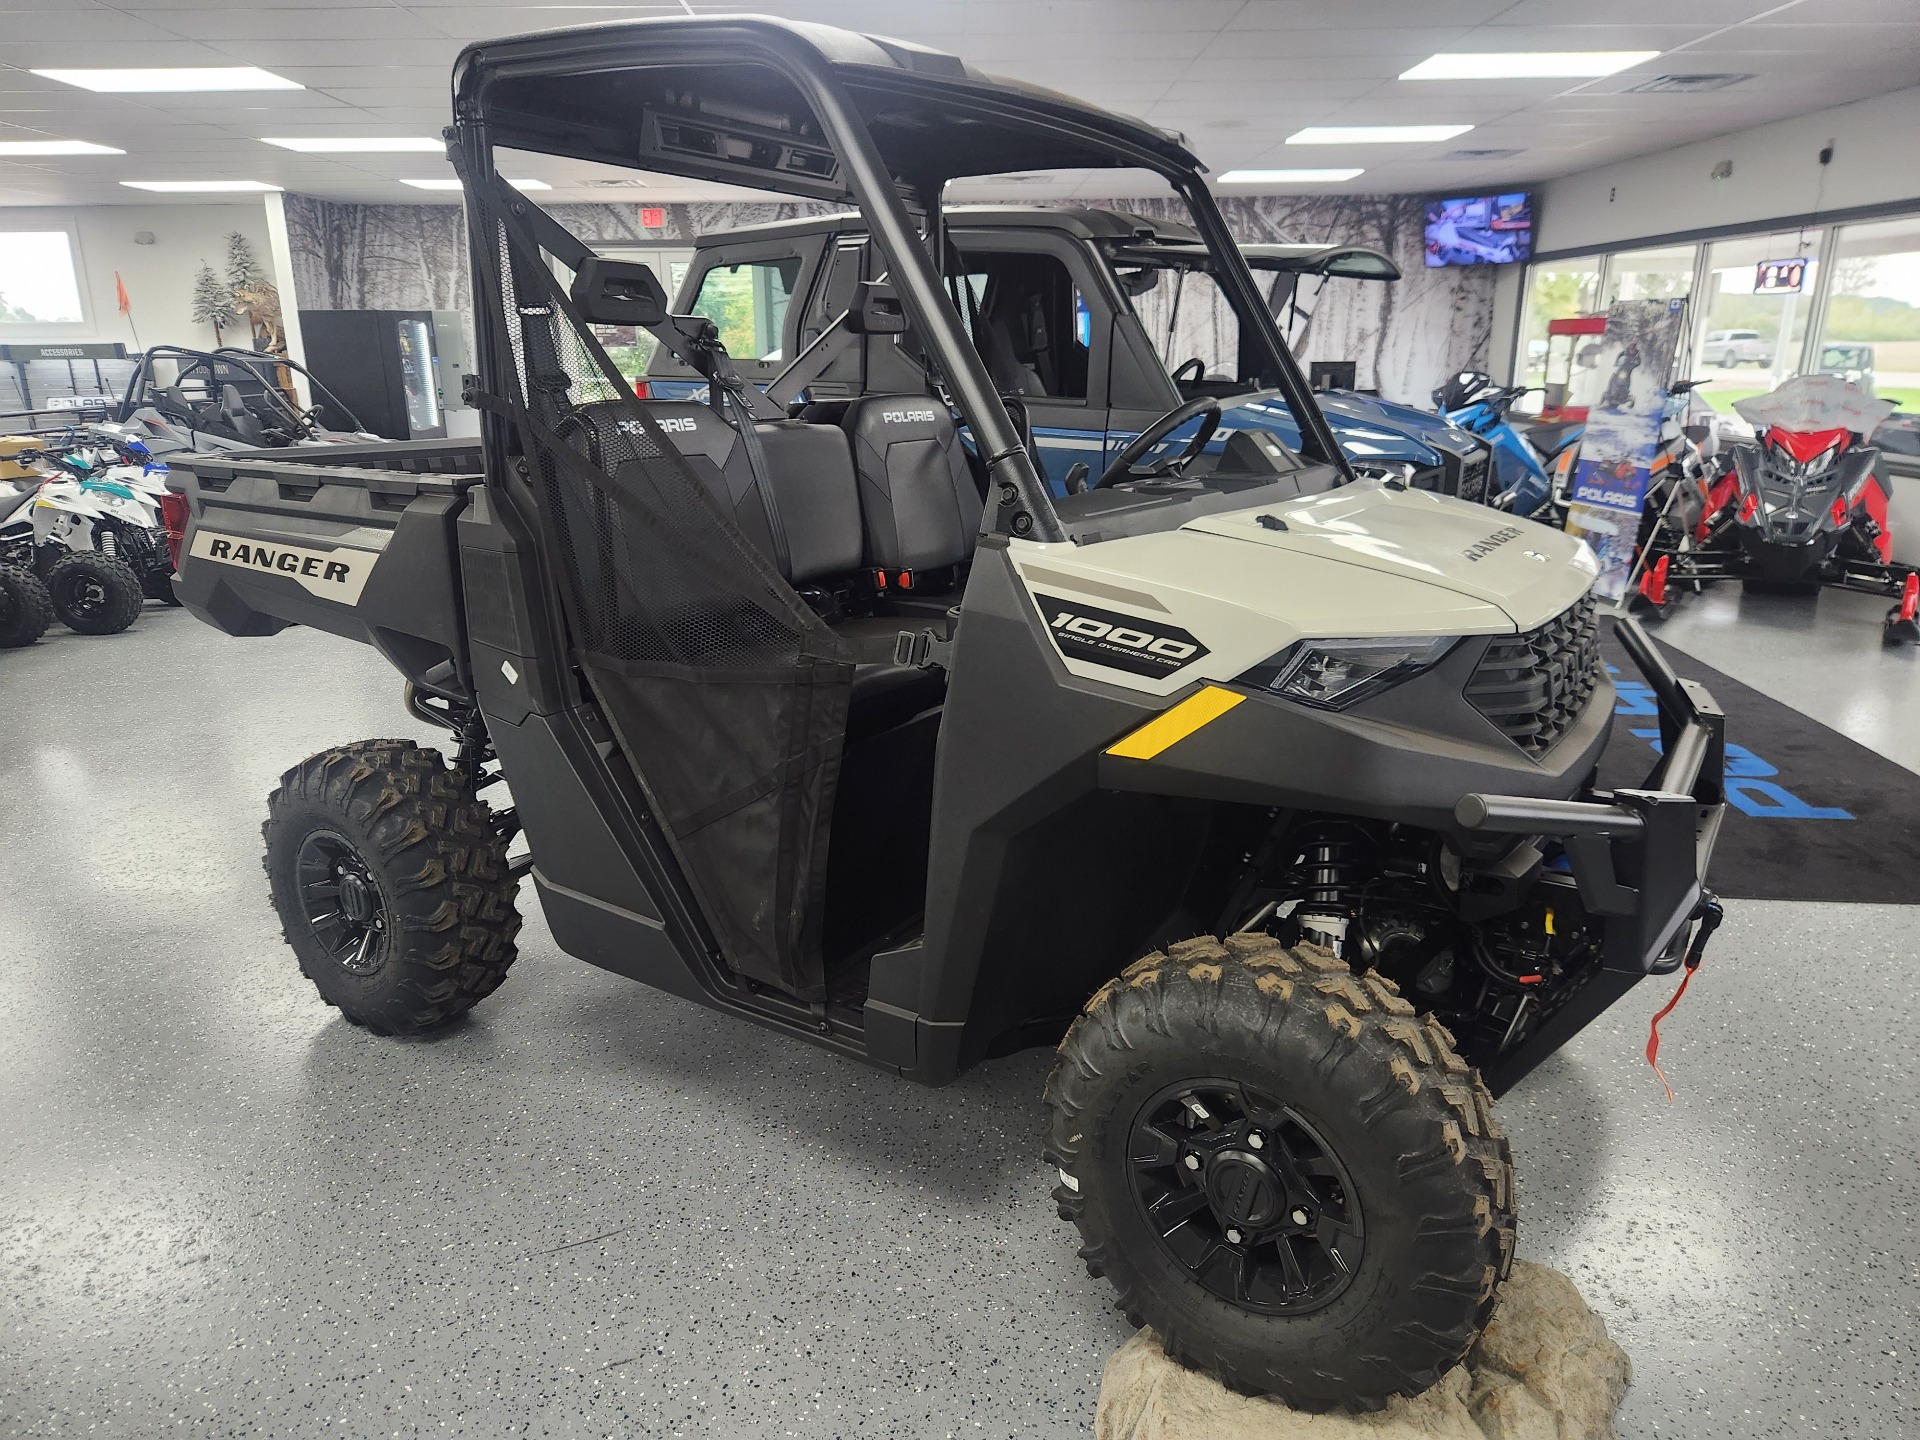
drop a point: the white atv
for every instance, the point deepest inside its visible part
(90, 531)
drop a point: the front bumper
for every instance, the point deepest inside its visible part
(1639, 856)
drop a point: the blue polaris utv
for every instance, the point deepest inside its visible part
(1093, 323)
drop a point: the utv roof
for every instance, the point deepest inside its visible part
(1147, 239)
(1084, 223)
(732, 99)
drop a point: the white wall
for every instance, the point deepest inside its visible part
(1776, 173)
(159, 277)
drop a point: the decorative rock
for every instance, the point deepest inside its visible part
(1544, 1370)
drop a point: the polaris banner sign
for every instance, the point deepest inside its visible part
(338, 573)
(1623, 434)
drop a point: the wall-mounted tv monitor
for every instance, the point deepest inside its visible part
(1480, 230)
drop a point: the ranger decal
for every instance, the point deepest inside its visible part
(1493, 542)
(338, 574)
(1121, 642)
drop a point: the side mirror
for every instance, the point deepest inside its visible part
(876, 311)
(619, 292)
(1076, 480)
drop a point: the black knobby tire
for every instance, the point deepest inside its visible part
(94, 594)
(26, 610)
(1372, 1094)
(428, 865)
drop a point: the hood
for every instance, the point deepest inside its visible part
(1349, 413)
(1367, 429)
(1529, 572)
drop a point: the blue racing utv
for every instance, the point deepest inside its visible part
(1093, 323)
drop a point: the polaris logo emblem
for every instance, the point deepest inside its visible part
(337, 574)
(907, 417)
(678, 424)
(1121, 642)
(1482, 548)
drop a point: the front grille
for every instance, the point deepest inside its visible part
(1472, 484)
(1534, 686)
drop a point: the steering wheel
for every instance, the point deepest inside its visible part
(1196, 366)
(1122, 466)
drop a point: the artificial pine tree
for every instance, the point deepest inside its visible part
(212, 302)
(243, 266)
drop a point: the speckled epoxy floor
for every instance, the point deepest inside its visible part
(592, 1210)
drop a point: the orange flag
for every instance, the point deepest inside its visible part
(120, 292)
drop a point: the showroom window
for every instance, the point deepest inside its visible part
(1871, 333)
(39, 279)
(1754, 313)
(1556, 291)
(1657, 274)
(748, 302)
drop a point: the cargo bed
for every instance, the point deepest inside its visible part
(356, 540)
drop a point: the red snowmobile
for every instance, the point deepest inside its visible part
(1801, 506)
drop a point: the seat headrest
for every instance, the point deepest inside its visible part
(876, 310)
(619, 292)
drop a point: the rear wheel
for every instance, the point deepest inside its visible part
(390, 879)
(1287, 1174)
(25, 608)
(94, 594)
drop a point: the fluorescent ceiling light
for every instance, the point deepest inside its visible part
(358, 144)
(1285, 177)
(453, 184)
(1527, 65)
(56, 147)
(1374, 134)
(202, 187)
(173, 81)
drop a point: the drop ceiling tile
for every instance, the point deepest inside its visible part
(320, 22)
(1364, 14)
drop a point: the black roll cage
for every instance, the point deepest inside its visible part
(1060, 130)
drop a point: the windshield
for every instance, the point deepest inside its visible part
(1192, 325)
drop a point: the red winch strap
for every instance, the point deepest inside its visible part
(1653, 1037)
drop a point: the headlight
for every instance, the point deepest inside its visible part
(1333, 674)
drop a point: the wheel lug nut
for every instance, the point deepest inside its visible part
(1299, 1216)
(1233, 1237)
(1256, 1141)
(1192, 1162)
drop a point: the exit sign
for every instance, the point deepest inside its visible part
(652, 217)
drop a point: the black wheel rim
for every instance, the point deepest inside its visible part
(86, 597)
(341, 903)
(1247, 1196)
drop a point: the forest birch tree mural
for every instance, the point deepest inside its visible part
(1405, 337)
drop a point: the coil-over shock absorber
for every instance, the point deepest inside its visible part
(1331, 869)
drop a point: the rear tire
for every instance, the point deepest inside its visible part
(391, 842)
(94, 594)
(26, 610)
(1360, 1134)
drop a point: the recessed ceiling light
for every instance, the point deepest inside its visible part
(449, 183)
(1286, 177)
(56, 147)
(174, 81)
(202, 187)
(358, 144)
(1527, 65)
(1374, 134)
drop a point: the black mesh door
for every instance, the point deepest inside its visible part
(727, 694)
